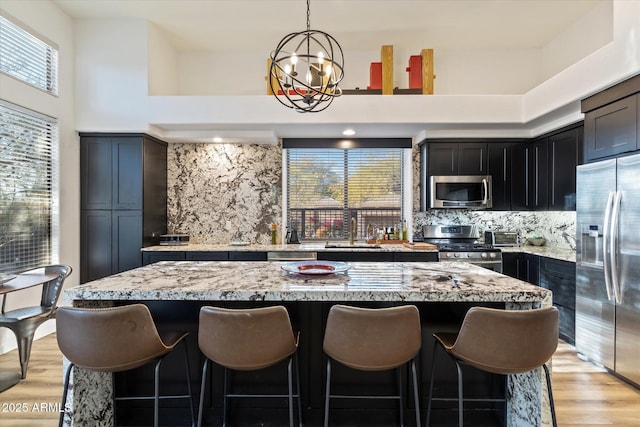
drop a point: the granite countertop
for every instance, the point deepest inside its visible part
(267, 281)
(546, 251)
(303, 247)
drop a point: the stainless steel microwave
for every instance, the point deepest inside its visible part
(460, 191)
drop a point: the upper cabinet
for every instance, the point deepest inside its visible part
(563, 156)
(499, 167)
(111, 172)
(456, 158)
(530, 176)
(612, 121)
(612, 129)
(534, 174)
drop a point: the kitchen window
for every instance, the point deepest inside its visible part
(28, 57)
(327, 187)
(27, 141)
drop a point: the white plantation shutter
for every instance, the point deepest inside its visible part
(326, 187)
(27, 57)
(26, 143)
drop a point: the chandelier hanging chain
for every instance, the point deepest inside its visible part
(302, 80)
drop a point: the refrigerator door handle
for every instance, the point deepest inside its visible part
(605, 246)
(613, 243)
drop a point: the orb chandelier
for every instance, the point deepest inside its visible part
(306, 68)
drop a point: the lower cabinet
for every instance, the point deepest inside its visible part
(556, 275)
(111, 242)
(521, 266)
(560, 277)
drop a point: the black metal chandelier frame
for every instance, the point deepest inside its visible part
(306, 68)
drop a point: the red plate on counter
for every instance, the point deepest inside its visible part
(316, 267)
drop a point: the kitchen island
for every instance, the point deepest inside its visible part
(175, 291)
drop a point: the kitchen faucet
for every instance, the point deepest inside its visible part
(352, 231)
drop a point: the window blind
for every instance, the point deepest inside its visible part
(27, 57)
(326, 188)
(26, 143)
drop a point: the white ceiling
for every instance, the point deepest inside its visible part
(216, 25)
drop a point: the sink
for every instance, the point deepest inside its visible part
(349, 246)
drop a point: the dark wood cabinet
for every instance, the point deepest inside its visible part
(499, 167)
(556, 275)
(529, 180)
(563, 160)
(123, 200)
(612, 129)
(560, 277)
(526, 174)
(457, 158)
(521, 266)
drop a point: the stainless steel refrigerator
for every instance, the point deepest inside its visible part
(608, 264)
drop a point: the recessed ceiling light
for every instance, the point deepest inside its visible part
(348, 132)
(217, 139)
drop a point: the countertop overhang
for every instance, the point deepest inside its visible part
(267, 281)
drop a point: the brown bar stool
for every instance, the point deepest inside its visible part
(373, 340)
(114, 340)
(501, 342)
(248, 340)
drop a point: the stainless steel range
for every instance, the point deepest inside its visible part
(458, 243)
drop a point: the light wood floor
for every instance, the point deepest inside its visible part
(585, 395)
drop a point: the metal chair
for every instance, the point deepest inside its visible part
(24, 321)
(114, 340)
(501, 342)
(248, 340)
(373, 340)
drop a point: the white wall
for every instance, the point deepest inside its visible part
(51, 23)
(111, 75)
(590, 33)
(162, 57)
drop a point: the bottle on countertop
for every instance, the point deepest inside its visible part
(404, 229)
(274, 233)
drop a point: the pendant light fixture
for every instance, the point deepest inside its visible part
(306, 68)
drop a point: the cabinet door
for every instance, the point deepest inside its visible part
(499, 167)
(95, 172)
(612, 129)
(511, 264)
(443, 158)
(563, 159)
(520, 177)
(126, 240)
(95, 237)
(472, 159)
(539, 176)
(529, 180)
(532, 268)
(127, 173)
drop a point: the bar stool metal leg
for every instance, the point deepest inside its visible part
(416, 400)
(328, 392)
(64, 394)
(205, 366)
(551, 405)
(460, 398)
(290, 386)
(189, 390)
(295, 356)
(433, 371)
(400, 399)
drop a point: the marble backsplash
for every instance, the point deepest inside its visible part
(559, 228)
(220, 193)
